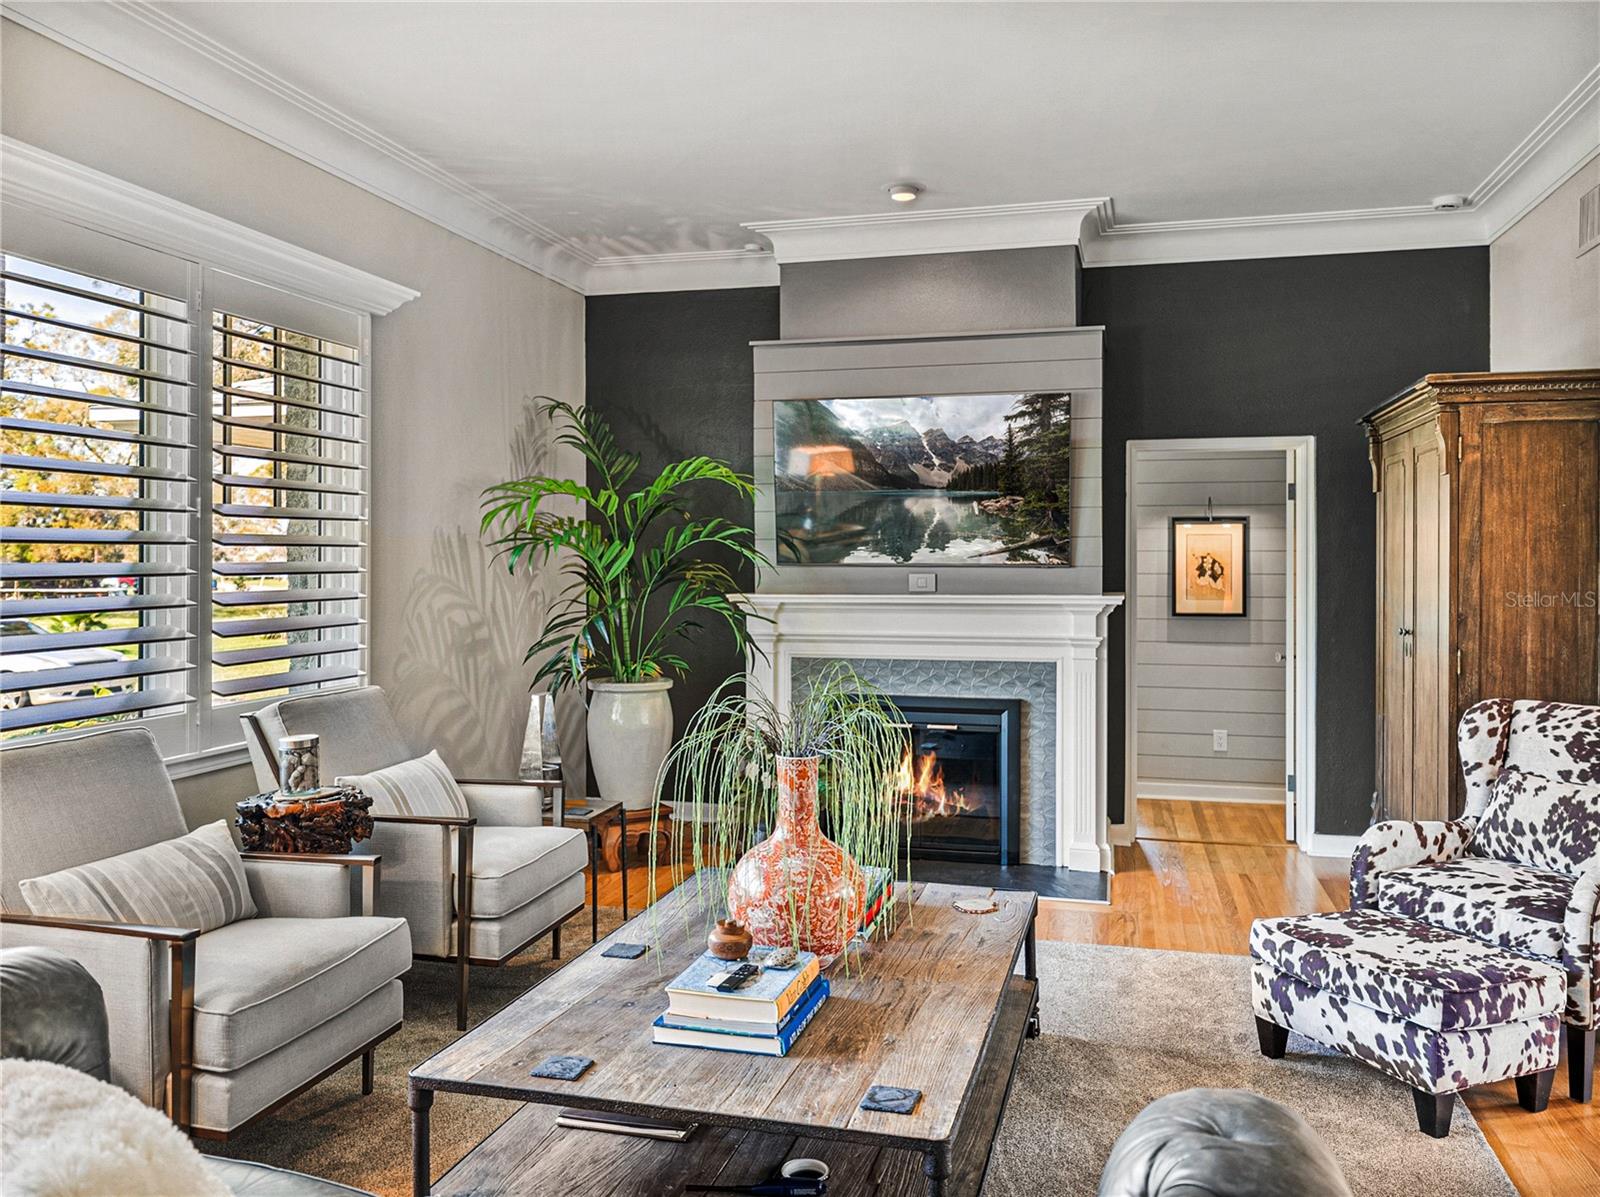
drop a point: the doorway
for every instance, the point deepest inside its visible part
(1220, 720)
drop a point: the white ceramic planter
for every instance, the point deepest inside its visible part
(630, 731)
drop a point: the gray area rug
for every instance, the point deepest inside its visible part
(1123, 1026)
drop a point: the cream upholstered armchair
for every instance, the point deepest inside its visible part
(1521, 868)
(217, 1026)
(493, 878)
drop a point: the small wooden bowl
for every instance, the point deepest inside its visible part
(729, 940)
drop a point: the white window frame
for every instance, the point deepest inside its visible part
(220, 256)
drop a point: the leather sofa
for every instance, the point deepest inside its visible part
(1220, 1143)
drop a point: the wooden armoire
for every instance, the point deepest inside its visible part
(1488, 491)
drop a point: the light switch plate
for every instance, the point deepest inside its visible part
(922, 583)
(1219, 740)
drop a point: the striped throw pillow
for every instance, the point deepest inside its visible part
(420, 787)
(196, 881)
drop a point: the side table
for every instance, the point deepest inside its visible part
(591, 816)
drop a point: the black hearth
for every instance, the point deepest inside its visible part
(961, 777)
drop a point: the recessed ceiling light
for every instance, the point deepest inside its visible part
(903, 193)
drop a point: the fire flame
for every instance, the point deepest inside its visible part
(921, 781)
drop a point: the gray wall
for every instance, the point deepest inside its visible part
(1280, 347)
(671, 373)
(455, 373)
(1197, 674)
(1544, 302)
(987, 291)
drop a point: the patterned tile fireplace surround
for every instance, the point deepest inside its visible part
(1046, 650)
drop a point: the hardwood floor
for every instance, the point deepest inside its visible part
(1177, 890)
(638, 886)
(1211, 822)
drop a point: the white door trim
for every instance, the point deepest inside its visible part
(1303, 450)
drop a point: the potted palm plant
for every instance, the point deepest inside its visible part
(639, 584)
(831, 760)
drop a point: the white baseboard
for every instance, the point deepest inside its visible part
(1121, 835)
(1210, 791)
(1330, 845)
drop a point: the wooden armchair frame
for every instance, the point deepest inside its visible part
(180, 943)
(464, 829)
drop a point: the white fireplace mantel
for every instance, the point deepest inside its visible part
(1066, 630)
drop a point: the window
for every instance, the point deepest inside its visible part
(287, 490)
(98, 557)
(105, 515)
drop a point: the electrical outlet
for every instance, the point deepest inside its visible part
(1219, 740)
(922, 583)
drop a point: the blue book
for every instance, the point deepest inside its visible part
(740, 1026)
(768, 998)
(757, 1045)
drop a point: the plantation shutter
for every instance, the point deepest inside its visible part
(97, 555)
(288, 495)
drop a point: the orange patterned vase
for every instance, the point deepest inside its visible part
(797, 886)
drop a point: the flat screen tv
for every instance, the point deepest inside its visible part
(923, 480)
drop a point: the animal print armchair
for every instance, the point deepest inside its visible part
(1521, 867)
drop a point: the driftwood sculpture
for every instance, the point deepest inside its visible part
(330, 820)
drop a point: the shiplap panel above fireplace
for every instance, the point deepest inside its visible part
(1066, 359)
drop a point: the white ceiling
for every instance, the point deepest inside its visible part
(659, 129)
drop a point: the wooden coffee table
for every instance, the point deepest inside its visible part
(937, 1007)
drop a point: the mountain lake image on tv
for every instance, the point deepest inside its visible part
(923, 479)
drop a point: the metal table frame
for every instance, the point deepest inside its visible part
(937, 1156)
(593, 815)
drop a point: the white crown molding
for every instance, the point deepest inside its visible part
(80, 195)
(1559, 146)
(708, 270)
(935, 231)
(151, 45)
(1107, 242)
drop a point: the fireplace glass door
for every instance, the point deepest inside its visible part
(958, 777)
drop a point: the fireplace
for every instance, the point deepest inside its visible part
(961, 777)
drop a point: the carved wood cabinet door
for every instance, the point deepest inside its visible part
(1530, 555)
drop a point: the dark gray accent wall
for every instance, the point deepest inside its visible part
(673, 374)
(986, 291)
(1285, 346)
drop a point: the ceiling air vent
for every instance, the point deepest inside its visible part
(1588, 220)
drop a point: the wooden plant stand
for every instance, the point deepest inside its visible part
(635, 824)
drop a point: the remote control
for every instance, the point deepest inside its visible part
(738, 978)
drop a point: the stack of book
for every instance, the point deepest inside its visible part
(763, 1018)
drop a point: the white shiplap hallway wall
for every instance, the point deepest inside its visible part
(1195, 675)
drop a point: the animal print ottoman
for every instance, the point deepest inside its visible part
(1436, 1010)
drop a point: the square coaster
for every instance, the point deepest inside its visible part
(563, 1068)
(625, 951)
(891, 1099)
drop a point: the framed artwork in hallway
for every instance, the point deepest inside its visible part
(1209, 563)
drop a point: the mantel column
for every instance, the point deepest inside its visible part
(1082, 839)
